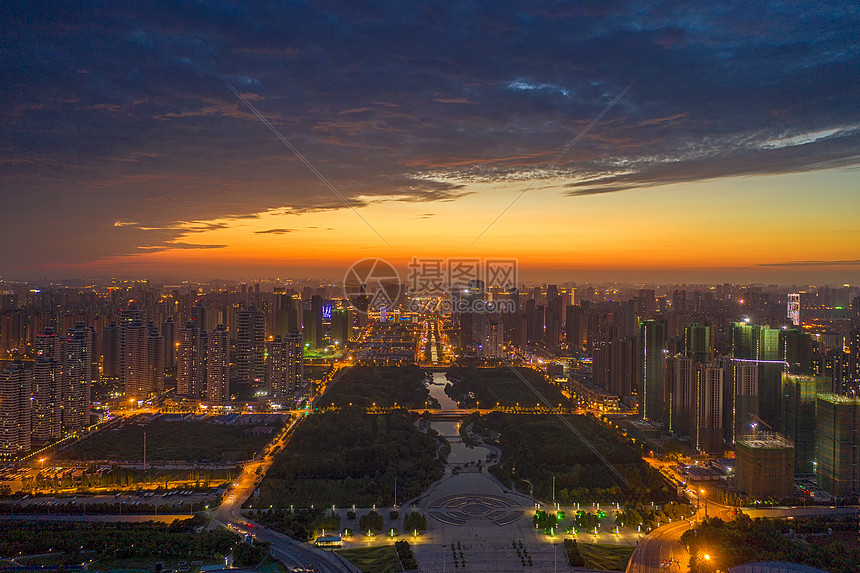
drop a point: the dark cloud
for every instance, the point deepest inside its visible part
(842, 263)
(274, 231)
(119, 113)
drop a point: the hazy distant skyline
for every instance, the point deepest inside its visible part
(732, 157)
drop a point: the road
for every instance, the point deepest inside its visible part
(655, 550)
(287, 550)
(659, 548)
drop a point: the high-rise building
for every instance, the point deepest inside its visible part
(154, 360)
(793, 308)
(77, 377)
(680, 394)
(286, 365)
(110, 352)
(15, 410)
(491, 339)
(745, 397)
(764, 466)
(168, 331)
(47, 422)
(575, 327)
(697, 343)
(837, 423)
(709, 408)
(250, 345)
(134, 373)
(341, 326)
(191, 361)
(218, 365)
(652, 357)
(761, 345)
(799, 400)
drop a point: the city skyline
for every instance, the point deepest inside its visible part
(613, 141)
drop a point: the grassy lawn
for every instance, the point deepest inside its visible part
(373, 559)
(503, 386)
(573, 451)
(380, 385)
(349, 457)
(193, 441)
(606, 557)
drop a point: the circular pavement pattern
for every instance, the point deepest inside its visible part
(458, 509)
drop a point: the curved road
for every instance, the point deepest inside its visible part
(286, 549)
(661, 550)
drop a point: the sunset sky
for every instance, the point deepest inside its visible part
(732, 155)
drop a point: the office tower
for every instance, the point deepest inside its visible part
(709, 408)
(680, 394)
(745, 397)
(799, 400)
(168, 332)
(47, 400)
(341, 326)
(764, 466)
(796, 349)
(77, 376)
(679, 301)
(191, 361)
(47, 346)
(491, 338)
(575, 327)
(12, 331)
(133, 335)
(761, 345)
(285, 315)
(286, 366)
(250, 345)
(314, 325)
(218, 365)
(110, 352)
(854, 358)
(793, 308)
(837, 422)
(154, 360)
(15, 410)
(652, 356)
(697, 343)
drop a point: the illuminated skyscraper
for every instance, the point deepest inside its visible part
(680, 394)
(745, 397)
(286, 365)
(218, 365)
(168, 332)
(652, 356)
(77, 377)
(697, 342)
(709, 408)
(793, 308)
(250, 345)
(133, 334)
(15, 410)
(47, 388)
(191, 361)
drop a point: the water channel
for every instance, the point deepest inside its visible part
(460, 452)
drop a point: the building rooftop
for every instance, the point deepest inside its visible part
(765, 441)
(839, 399)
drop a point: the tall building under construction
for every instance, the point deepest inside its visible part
(837, 423)
(764, 466)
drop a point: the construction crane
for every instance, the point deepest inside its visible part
(757, 422)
